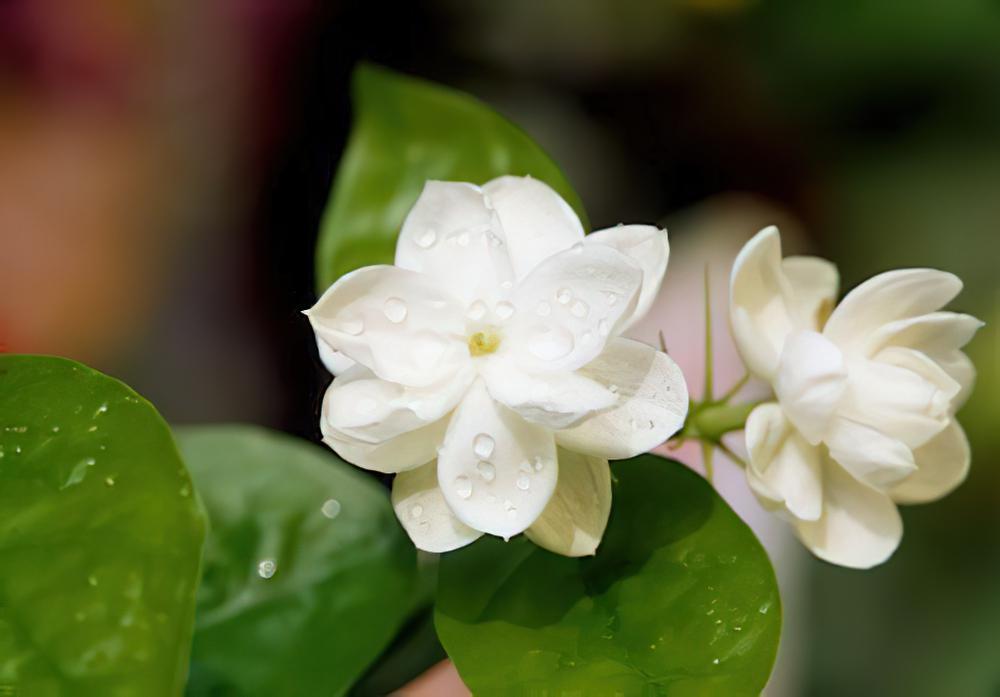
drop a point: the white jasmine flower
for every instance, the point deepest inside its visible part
(866, 396)
(487, 369)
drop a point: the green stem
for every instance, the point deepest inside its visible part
(713, 421)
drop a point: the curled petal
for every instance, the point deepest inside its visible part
(868, 454)
(570, 305)
(371, 410)
(496, 470)
(405, 451)
(888, 297)
(574, 520)
(810, 382)
(425, 515)
(860, 527)
(760, 314)
(942, 464)
(783, 469)
(536, 220)
(649, 248)
(651, 404)
(395, 322)
(553, 400)
(451, 236)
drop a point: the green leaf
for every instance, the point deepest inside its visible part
(679, 600)
(405, 132)
(344, 575)
(100, 537)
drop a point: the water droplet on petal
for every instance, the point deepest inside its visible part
(477, 310)
(526, 467)
(509, 506)
(543, 309)
(603, 327)
(539, 464)
(564, 295)
(504, 310)
(506, 285)
(613, 389)
(330, 508)
(587, 337)
(416, 510)
(579, 309)
(395, 310)
(612, 298)
(462, 239)
(524, 482)
(486, 470)
(352, 326)
(427, 238)
(483, 445)
(550, 343)
(266, 568)
(463, 486)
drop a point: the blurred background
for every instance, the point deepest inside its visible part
(164, 166)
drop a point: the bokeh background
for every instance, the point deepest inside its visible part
(164, 167)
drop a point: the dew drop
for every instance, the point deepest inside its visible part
(612, 298)
(715, 661)
(462, 239)
(603, 327)
(92, 581)
(416, 510)
(579, 309)
(539, 464)
(504, 310)
(427, 238)
(587, 337)
(564, 295)
(55, 429)
(486, 470)
(506, 285)
(477, 310)
(482, 445)
(526, 467)
(613, 389)
(395, 310)
(509, 506)
(352, 326)
(463, 486)
(103, 409)
(266, 568)
(330, 508)
(543, 309)
(185, 491)
(550, 343)
(524, 482)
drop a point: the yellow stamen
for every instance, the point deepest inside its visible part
(482, 343)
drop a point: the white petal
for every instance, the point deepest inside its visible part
(570, 305)
(814, 283)
(810, 382)
(782, 468)
(366, 408)
(395, 322)
(404, 452)
(942, 464)
(536, 220)
(425, 516)
(759, 311)
(903, 393)
(649, 248)
(961, 369)
(860, 527)
(553, 400)
(869, 455)
(573, 522)
(334, 361)
(652, 402)
(497, 471)
(888, 297)
(935, 333)
(453, 237)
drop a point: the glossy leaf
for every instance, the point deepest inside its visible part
(405, 132)
(679, 600)
(100, 537)
(307, 574)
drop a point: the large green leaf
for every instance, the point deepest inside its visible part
(679, 600)
(307, 574)
(407, 131)
(100, 537)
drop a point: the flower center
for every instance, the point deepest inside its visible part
(484, 342)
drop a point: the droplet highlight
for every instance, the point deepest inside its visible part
(483, 445)
(395, 310)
